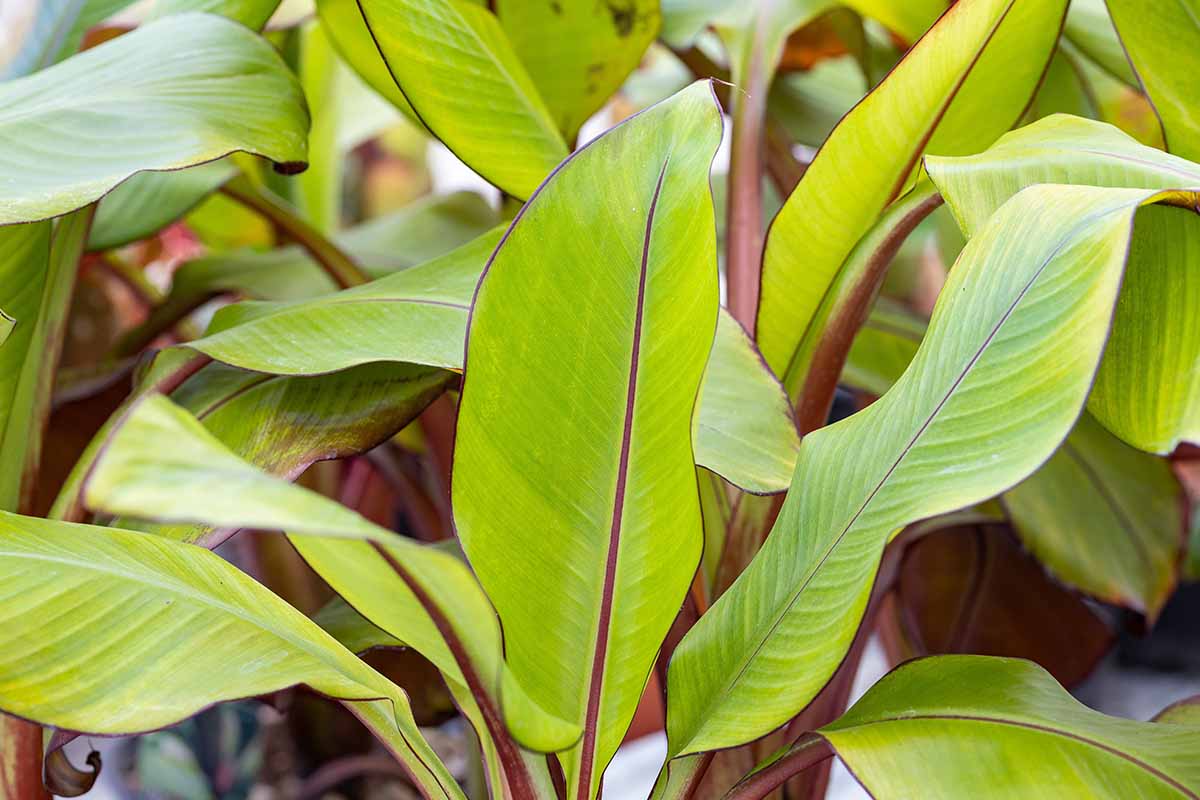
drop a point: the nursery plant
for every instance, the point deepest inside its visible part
(666, 430)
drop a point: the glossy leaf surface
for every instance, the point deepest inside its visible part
(1162, 41)
(458, 71)
(172, 94)
(584, 527)
(943, 727)
(984, 403)
(132, 478)
(1148, 388)
(148, 628)
(962, 85)
(420, 316)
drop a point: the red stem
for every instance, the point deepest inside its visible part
(513, 765)
(810, 750)
(744, 234)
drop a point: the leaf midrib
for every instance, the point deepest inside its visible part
(1066, 238)
(181, 589)
(600, 648)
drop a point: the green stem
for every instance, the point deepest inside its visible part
(336, 263)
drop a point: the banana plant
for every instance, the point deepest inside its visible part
(617, 440)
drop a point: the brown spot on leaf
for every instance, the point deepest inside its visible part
(623, 16)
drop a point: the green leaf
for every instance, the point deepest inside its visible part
(147, 630)
(284, 424)
(1162, 41)
(944, 727)
(962, 85)
(149, 201)
(1148, 388)
(417, 315)
(1104, 518)
(1186, 711)
(357, 633)
(172, 94)
(6, 326)
(1090, 29)
(744, 429)
(1100, 515)
(408, 237)
(317, 192)
(457, 69)
(909, 18)
(438, 602)
(988, 397)
(578, 52)
(344, 23)
(420, 316)
(1058, 149)
(575, 520)
(38, 266)
(254, 14)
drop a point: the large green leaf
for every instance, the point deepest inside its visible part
(1148, 388)
(114, 632)
(417, 315)
(987, 399)
(962, 85)
(174, 93)
(578, 52)
(953, 726)
(1100, 515)
(1162, 41)
(24, 268)
(1105, 518)
(458, 71)
(585, 525)
(420, 316)
(436, 607)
